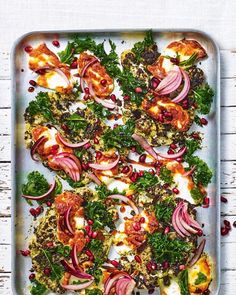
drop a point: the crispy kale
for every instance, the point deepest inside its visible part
(36, 184)
(203, 96)
(38, 288)
(99, 111)
(166, 175)
(163, 211)
(144, 182)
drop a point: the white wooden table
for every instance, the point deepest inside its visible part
(217, 18)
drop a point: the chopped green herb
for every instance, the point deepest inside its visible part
(164, 211)
(203, 96)
(189, 62)
(36, 184)
(197, 120)
(183, 282)
(67, 55)
(144, 182)
(75, 122)
(38, 288)
(166, 249)
(201, 278)
(192, 146)
(166, 175)
(197, 195)
(63, 250)
(99, 111)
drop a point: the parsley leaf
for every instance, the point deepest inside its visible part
(203, 95)
(201, 278)
(183, 282)
(99, 111)
(166, 175)
(166, 249)
(63, 250)
(38, 288)
(144, 182)
(192, 146)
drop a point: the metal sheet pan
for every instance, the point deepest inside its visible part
(22, 164)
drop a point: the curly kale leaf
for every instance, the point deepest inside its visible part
(203, 96)
(144, 182)
(166, 175)
(36, 184)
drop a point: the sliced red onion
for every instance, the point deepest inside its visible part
(187, 173)
(77, 287)
(51, 189)
(71, 145)
(82, 84)
(67, 220)
(69, 166)
(174, 156)
(176, 222)
(122, 285)
(125, 200)
(145, 145)
(104, 166)
(35, 146)
(74, 258)
(189, 219)
(169, 79)
(75, 272)
(93, 177)
(73, 157)
(173, 86)
(111, 281)
(83, 71)
(130, 288)
(185, 89)
(107, 104)
(57, 70)
(188, 228)
(198, 253)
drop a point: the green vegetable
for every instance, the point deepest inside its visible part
(189, 62)
(128, 84)
(101, 217)
(103, 192)
(202, 173)
(38, 288)
(96, 272)
(120, 137)
(201, 278)
(63, 250)
(166, 249)
(96, 246)
(36, 184)
(203, 95)
(192, 146)
(197, 120)
(93, 292)
(144, 182)
(183, 282)
(164, 211)
(67, 55)
(197, 195)
(99, 111)
(57, 270)
(75, 122)
(166, 175)
(59, 187)
(41, 106)
(140, 47)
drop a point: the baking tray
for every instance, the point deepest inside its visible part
(22, 163)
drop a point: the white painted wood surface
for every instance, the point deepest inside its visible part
(217, 18)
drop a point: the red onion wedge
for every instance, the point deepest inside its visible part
(51, 189)
(93, 177)
(67, 220)
(57, 70)
(190, 172)
(107, 104)
(35, 146)
(75, 272)
(71, 145)
(122, 285)
(130, 288)
(125, 200)
(77, 287)
(188, 218)
(198, 253)
(74, 258)
(176, 222)
(105, 166)
(174, 156)
(83, 71)
(169, 79)
(73, 157)
(170, 87)
(145, 145)
(112, 279)
(185, 89)
(69, 166)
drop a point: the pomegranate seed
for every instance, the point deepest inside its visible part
(224, 231)
(96, 141)
(182, 267)
(115, 126)
(203, 121)
(170, 152)
(134, 176)
(87, 228)
(223, 199)
(86, 97)
(195, 136)
(175, 190)
(160, 118)
(206, 202)
(151, 171)
(87, 145)
(103, 82)
(94, 235)
(88, 253)
(199, 232)
(126, 97)
(38, 210)
(142, 220)
(25, 253)
(165, 264)
(50, 244)
(174, 60)
(74, 65)
(31, 89)
(113, 97)
(90, 222)
(142, 158)
(234, 224)
(64, 127)
(167, 230)
(168, 115)
(137, 226)
(33, 212)
(138, 258)
(151, 291)
(165, 185)
(28, 49)
(98, 155)
(85, 166)
(88, 239)
(41, 71)
(173, 146)
(125, 170)
(32, 276)
(227, 224)
(56, 43)
(140, 173)
(133, 149)
(154, 82)
(86, 90)
(115, 263)
(49, 204)
(47, 271)
(32, 82)
(138, 90)
(153, 265)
